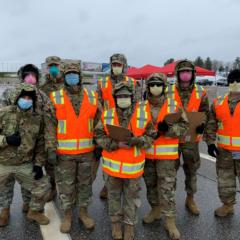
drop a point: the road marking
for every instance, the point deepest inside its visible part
(51, 231)
(205, 156)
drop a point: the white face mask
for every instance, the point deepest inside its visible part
(124, 102)
(117, 70)
(234, 87)
(156, 91)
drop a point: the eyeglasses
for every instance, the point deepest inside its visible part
(155, 84)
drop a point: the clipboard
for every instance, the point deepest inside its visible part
(195, 119)
(119, 133)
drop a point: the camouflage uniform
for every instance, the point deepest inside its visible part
(115, 58)
(227, 167)
(117, 187)
(16, 163)
(190, 151)
(45, 108)
(74, 172)
(160, 175)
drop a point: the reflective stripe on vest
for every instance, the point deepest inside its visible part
(226, 140)
(132, 168)
(62, 126)
(167, 149)
(172, 104)
(199, 91)
(109, 117)
(110, 164)
(103, 82)
(91, 96)
(90, 125)
(75, 144)
(58, 97)
(137, 151)
(142, 115)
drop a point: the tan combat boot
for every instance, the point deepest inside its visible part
(116, 231)
(87, 221)
(66, 222)
(4, 217)
(104, 193)
(171, 228)
(37, 216)
(225, 210)
(128, 232)
(25, 207)
(191, 205)
(154, 214)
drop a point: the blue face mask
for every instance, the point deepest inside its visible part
(72, 79)
(54, 71)
(25, 104)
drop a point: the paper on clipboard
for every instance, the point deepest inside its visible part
(195, 119)
(119, 133)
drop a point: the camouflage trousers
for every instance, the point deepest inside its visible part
(228, 169)
(39, 189)
(123, 199)
(191, 163)
(73, 175)
(160, 180)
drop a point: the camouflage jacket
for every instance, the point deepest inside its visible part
(50, 86)
(30, 127)
(124, 117)
(210, 132)
(45, 108)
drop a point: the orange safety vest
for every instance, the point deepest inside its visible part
(165, 148)
(106, 87)
(74, 133)
(228, 133)
(194, 102)
(126, 163)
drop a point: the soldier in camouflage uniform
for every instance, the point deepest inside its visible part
(30, 74)
(22, 154)
(73, 168)
(223, 128)
(53, 82)
(119, 67)
(54, 76)
(129, 186)
(160, 170)
(193, 98)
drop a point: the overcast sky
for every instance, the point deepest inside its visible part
(146, 31)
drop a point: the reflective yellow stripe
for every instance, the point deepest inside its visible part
(171, 149)
(132, 168)
(170, 90)
(137, 151)
(62, 126)
(90, 125)
(110, 164)
(58, 97)
(236, 141)
(91, 96)
(142, 115)
(199, 91)
(223, 139)
(220, 99)
(109, 116)
(75, 144)
(172, 104)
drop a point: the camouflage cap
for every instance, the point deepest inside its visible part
(119, 58)
(74, 66)
(14, 95)
(53, 60)
(123, 88)
(184, 65)
(156, 78)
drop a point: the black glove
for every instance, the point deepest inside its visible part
(163, 126)
(14, 140)
(52, 157)
(212, 150)
(98, 153)
(38, 172)
(200, 128)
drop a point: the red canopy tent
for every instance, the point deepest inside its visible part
(144, 71)
(169, 70)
